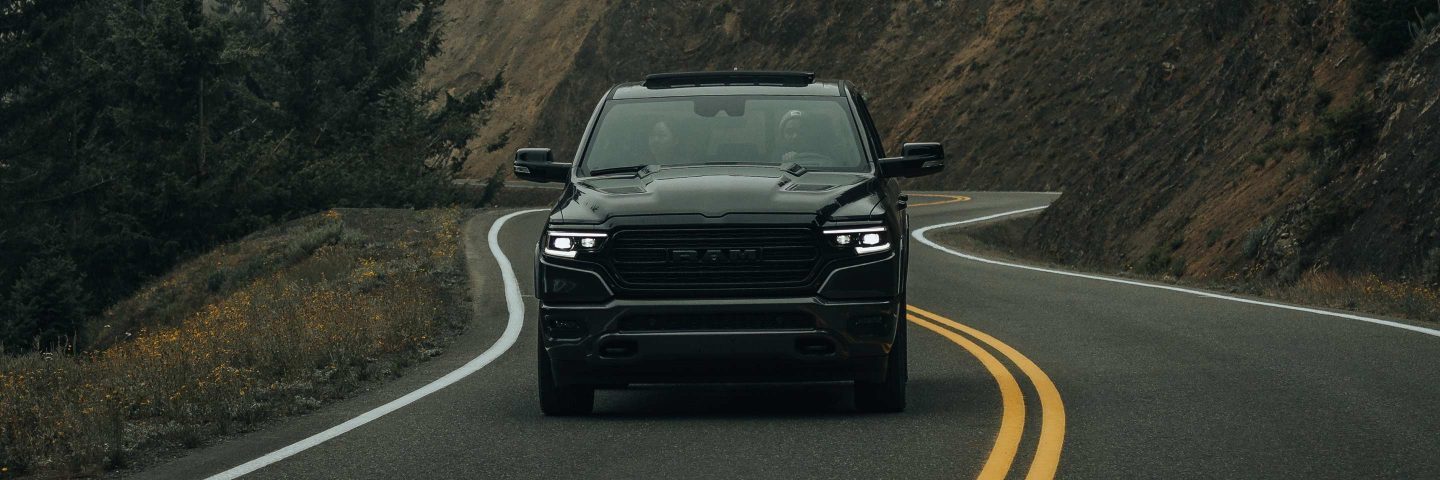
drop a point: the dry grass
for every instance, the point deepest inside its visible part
(1368, 293)
(352, 296)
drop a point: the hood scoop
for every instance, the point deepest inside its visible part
(622, 187)
(810, 187)
(628, 190)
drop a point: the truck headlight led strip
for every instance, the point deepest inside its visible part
(864, 240)
(568, 244)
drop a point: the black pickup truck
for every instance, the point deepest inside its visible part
(726, 227)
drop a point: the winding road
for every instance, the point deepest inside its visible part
(1015, 372)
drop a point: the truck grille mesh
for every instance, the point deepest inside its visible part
(714, 258)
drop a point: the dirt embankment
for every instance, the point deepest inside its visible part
(1212, 140)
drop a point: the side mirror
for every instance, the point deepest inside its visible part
(538, 165)
(915, 160)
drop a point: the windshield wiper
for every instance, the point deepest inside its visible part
(756, 164)
(792, 167)
(638, 170)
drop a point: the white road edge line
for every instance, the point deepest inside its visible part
(920, 235)
(516, 308)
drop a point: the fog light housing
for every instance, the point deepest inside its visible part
(561, 328)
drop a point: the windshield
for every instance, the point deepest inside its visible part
(816, 132)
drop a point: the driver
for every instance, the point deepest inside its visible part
(797, 136)
(662, 143)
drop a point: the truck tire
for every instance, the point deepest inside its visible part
(887, 396)
(561, 401)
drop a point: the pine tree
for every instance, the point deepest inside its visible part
(135, 133)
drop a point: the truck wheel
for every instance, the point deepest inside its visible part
(561, 401)
(887, 396)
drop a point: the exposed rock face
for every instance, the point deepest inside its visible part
(1210, 139)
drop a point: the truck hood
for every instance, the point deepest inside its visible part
(716, 191)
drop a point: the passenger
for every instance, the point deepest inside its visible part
(662, 144)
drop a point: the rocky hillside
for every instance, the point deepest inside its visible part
(1218, 139)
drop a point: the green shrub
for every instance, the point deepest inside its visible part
(1255, 239)
(1343, 133)
(46, 306)
(1430, 272)
(1326, 219)
(1353, 125)
(1257, 159)
(1213, 236)
(1389, 27)
(1177, 267)
(1323, 98)
(1160, 261)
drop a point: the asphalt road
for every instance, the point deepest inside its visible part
(1147, 383)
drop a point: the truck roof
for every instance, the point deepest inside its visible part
(737, 82)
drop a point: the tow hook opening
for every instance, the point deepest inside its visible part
(814, 346)
(618, 349)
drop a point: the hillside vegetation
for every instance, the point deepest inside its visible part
(276, 324)
(1224, 140)
(134, 135)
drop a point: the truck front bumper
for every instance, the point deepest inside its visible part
(719, 340)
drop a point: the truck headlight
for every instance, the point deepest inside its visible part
(568, 244)
(864, 240)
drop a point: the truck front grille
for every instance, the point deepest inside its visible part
(714, 258)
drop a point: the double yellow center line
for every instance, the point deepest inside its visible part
(1012, 420)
